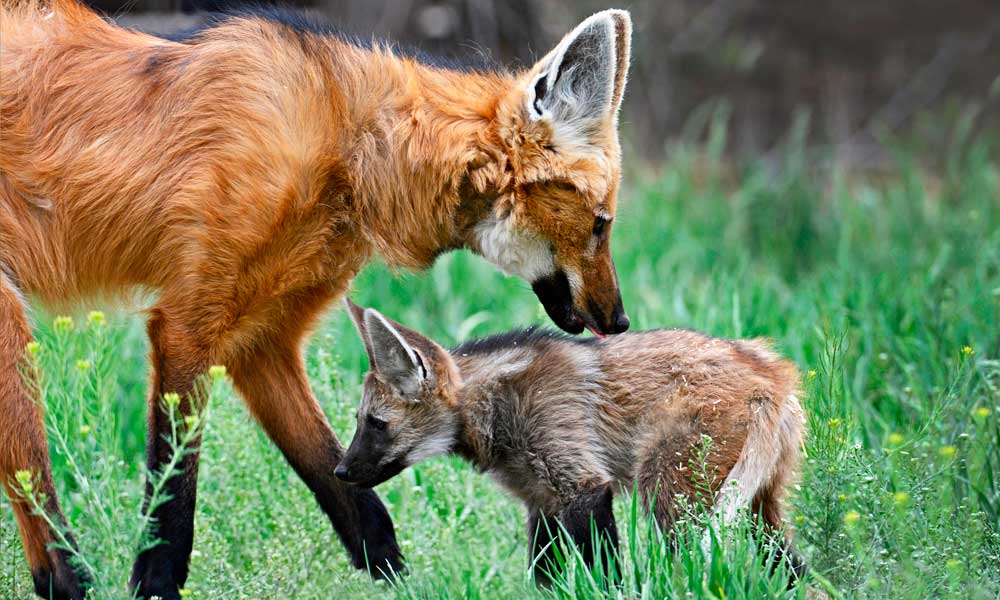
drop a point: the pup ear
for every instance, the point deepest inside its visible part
(394, 360)
(357, 315)
(583, 78)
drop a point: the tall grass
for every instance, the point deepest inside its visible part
(885, 290)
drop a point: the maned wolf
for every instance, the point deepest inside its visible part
(246, 173)
(564, 423)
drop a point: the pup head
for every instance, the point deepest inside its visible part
(556, 173)
(405, 414)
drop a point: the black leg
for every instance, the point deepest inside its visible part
(783, 554)
(358, 516)
(769, 526)
(795, 563)
(277, 392)
(163, 569)
(543, 535)
(593, 506)
(23, 447)
(62, 583)
(768, 537)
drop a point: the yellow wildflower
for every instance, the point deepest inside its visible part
(24, 479)
(95, 318)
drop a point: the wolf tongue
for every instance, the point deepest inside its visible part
(594, 331)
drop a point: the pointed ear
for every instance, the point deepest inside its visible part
(357, 315)
(395, 361)
(623, 53)
(583, 78)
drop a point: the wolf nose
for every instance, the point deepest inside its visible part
(619, 322)
(341, 473)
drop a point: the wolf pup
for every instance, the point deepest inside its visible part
(245, 172)
(564, 423)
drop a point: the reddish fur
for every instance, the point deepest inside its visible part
(247, 179)
(726, 383)
(21, 415)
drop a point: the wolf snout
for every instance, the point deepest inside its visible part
(619, 321)
(607, 322)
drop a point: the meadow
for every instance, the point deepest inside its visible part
(884, 289)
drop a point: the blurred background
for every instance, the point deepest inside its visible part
(843, 79)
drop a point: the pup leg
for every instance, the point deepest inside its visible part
(543, 535)
(664, 476)
(23, 447)
(767, 506)
(593, 506)
(768, 502)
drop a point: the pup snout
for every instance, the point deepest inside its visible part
(343, 473)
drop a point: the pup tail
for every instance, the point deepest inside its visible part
(767, 463)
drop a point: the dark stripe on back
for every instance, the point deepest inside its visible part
(518, 338)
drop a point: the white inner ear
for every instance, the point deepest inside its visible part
(373, 317)
(578, 78)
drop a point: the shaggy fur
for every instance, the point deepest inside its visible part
(559, 422)
(246, 174)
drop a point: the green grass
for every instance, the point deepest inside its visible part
(884, 290)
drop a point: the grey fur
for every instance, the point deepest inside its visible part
(555, 419)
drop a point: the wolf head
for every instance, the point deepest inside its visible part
(407, 405)
(554, 170)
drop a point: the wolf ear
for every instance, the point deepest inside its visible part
(393, 359)
(583, 78)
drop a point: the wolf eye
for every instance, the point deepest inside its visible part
(377, 423)
(600, 225)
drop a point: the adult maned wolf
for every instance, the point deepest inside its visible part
(565, 423)
(245, 173)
